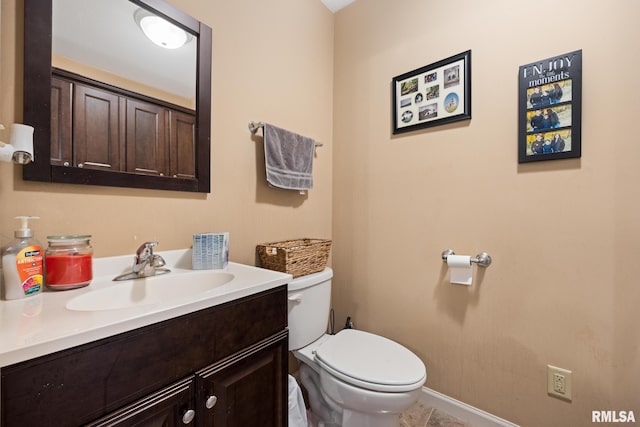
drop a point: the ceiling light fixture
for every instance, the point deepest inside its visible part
(160, 31)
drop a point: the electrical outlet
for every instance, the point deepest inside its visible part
(559, 382)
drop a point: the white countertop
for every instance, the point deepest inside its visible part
(42, 324)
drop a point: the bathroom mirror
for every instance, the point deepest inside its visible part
(41, 72)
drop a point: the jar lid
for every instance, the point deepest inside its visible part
(70, 238)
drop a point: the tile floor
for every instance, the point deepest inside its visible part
(420, 415)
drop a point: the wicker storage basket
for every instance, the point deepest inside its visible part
(296, 257)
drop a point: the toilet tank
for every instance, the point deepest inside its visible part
(309, 305)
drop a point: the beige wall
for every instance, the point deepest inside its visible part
(563, 234)
(266, 66)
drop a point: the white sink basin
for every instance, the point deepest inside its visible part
(150, 290)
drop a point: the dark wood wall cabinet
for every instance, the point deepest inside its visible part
(222, 366)
(101, 127)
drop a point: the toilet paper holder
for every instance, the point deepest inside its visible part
(483, 259)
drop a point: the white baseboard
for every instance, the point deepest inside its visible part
(467, 413)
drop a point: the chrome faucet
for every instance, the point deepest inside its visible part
(145, 256)
(145, 263)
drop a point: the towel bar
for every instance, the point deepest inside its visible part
(254, 126)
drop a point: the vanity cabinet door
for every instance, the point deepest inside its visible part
(61, 150)
(170, 407)
(182, 145)
(246, 389)
(96, 130)
(147, 148)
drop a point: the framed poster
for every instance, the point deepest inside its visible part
(550, 108)
(433, 95)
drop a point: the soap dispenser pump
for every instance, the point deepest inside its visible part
(22, 264)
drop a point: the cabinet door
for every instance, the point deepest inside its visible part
(61, 122)
(182, 145)
(246, 389)
(96, 133)
(147, 147)
(170, 407)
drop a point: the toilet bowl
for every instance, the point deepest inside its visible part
(353, 378)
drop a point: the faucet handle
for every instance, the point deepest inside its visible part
(146, 249)
(157, 261)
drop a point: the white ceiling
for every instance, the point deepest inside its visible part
(336, 5)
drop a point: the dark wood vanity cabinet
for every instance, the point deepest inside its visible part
(94, 126)
(96, 141)
(172, 406)
(146, 138)
(182, 135)
(248, 388)
(61, 154)
(243, 390)
(222, 366)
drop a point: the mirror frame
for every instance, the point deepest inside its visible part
(37, 105)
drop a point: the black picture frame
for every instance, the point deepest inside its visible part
(550, 108)
(433, 95)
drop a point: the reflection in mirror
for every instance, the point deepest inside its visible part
(110, 106)
(108, 26)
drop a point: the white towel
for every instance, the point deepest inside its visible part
(288, 158)
(297, 411)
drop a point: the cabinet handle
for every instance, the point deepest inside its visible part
(188, 416)
(211, 402)
(65, 164)
(80, 165)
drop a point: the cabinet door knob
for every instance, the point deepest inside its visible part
(211, 402)
(188, 416)
(80, 165)
(65, 164)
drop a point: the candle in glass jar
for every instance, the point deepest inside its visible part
(68, 262)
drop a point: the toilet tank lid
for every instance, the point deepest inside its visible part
(308, 280)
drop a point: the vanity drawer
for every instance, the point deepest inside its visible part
(80, 384)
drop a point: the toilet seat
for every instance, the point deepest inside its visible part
(370, 361)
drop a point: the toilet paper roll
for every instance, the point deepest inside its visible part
(460, 269)
(22, 137)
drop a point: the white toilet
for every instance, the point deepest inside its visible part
(353, 378)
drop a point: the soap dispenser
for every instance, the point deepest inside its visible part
(22, 264)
